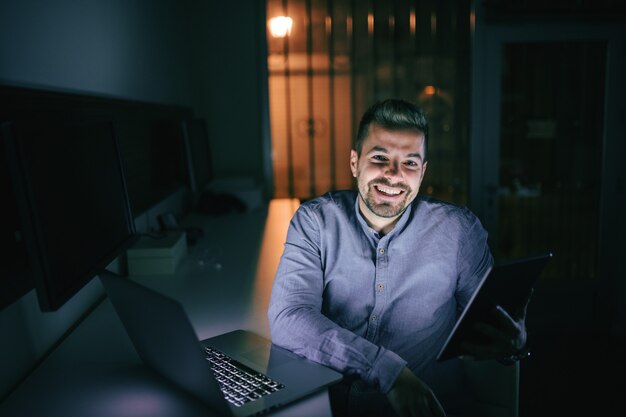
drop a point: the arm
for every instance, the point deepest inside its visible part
(506, 335)
(410, 397)
(296, 320)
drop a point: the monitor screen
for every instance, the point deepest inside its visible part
(15, 281)
(153, 157)
(72, 200)
(198, 154)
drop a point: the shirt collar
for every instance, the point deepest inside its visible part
(404, 217)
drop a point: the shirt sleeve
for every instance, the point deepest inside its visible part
(297, 323)
(473, 260)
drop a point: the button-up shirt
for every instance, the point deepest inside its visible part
(369, 305)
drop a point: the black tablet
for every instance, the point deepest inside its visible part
(507, 285)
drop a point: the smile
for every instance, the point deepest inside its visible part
(388, 190)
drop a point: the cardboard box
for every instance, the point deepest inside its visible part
(157, 255)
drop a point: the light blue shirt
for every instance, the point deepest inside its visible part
(368, 305)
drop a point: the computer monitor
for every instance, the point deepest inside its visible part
(73, 206)
(198, 155)
(153, 157)
(15, 281)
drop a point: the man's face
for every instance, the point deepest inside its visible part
(388, 172)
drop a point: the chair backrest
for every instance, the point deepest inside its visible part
(496, 387)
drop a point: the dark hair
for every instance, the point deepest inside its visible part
(392, 114)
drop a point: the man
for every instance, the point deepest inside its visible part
(371, 282)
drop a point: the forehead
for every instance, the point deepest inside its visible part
(405, 140)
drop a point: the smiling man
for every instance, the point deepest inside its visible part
(371, 282)
(389, 174)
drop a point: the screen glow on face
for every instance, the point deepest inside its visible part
(389, 171)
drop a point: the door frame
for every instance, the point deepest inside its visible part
(487, 51)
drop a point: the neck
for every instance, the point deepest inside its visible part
(382, 225)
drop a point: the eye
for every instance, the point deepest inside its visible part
(379, 158)
(412, 164)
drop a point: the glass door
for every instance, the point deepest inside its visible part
(550, 156)
(544, 130)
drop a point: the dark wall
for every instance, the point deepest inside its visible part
(230, 64)
(206, 55)
(138, 50)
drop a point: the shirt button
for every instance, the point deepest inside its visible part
(374, 318)
(381, 251)
(381, 287)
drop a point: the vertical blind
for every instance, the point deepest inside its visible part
(343, 55)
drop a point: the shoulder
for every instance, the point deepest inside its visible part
(439, 211)
(334, 201)
(325, 215)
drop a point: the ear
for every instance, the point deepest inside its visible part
(354, 160)
(424, 170)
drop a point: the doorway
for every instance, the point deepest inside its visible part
(544, 129)
(547, 144)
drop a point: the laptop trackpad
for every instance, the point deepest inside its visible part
(267, 356)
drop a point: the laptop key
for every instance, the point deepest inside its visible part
(239, 383)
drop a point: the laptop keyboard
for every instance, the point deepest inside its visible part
(239, 383)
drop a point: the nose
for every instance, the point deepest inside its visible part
(392, 169)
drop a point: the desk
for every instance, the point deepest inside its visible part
(224, 283)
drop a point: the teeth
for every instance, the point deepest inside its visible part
(387, 190)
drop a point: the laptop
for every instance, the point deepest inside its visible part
(238, 373)
(508, 285)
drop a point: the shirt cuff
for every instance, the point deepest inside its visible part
(385, 370)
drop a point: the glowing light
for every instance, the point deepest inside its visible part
(430, 90)
(276, 224)
(280, 26)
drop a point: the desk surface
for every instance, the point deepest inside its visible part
(224, 283)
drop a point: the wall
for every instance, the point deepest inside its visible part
(162, 51)
(136, 49)
(230, 61)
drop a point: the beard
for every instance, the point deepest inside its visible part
(386, 209)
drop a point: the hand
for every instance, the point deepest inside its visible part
(410, 397)
(504, 338)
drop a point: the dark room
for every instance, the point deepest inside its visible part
(317, 208)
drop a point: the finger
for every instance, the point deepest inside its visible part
(504, 317)
(522, 315)
(514, 332)
(505, 322)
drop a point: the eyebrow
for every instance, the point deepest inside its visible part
(381, 149)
